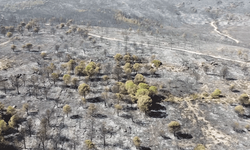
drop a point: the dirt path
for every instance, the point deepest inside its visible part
(4, 43)
(174, 49)
(216, 30)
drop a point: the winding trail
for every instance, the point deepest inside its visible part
(217, 31)
(4, 43)
(173, 49)
(164, 46)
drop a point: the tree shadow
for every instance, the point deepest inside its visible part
(4, 146)
(235, 91)
(95, 100)
(181, 135)
(126, 116)
(230, 79)
(157, 114)
(75, 117)
(100, 116)
(144, 148)
(141, 123)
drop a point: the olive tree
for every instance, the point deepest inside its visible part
(67, 109)
(83, 89)
(144, 103)
(67, 79)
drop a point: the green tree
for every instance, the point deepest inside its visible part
(28, 46)
(136, 67)
(137, 142)
(153, 90)
(216, 93)
(118, 57)
(244, 99)
(83, 89)
(128, 72)
(43, 55)
(11, 110)
(156, 63)
(67, 79)
(13, 47)
(92, 110)
(89, 144)
(74, 82)
(3, 126)
(13, 121)
(79, 70)
(28, 26)
(142, 92)
(105, 78)
(67, 109)
(200, 147)
(55, 77)
(143, 86)
(131, 87)
(36, 30)
(71, 64)
(239, 109)
(9, 34)
(174, 126)
(118, 108)
(127, 58)
(144, 103)
(91, 69)
(139, 78)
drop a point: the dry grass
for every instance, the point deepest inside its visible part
(120, 17)
(6, 63)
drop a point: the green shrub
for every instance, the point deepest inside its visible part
(137, 141)
(174, 126)
(139, 78)
(157, 63)
(143, 86)
(118, 57)
(199, 147)
(216, 93)
(141, 92)
(89, 144)
(244, 99)
(239, 109)
(153, 90)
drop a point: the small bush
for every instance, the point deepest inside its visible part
(143, 86)
(199, 147)
(43, 55)
(174, 126)
(137, 141)
(244, 99)
(9, 34)
(216, 93)
(157, 63)
(89, 144)
(239, 109)
(141, 92)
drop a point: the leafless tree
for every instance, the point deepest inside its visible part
(16, 82)
(4, 84)
(104, 132)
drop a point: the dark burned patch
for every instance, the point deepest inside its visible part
(95, 100)
(75, 117)
(144, 148)
(157, 114)
(100, 116)
(181, 135)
